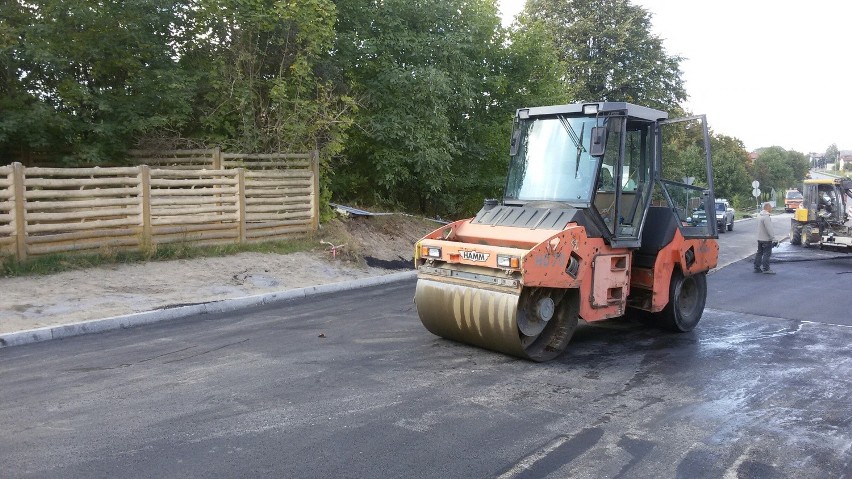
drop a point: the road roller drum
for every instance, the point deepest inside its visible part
(536, 324)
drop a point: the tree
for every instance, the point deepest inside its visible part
(609, 52)
(427, 75)
(534, 73)
(84, 78)
(260, 75)
(730, 175)
(779, 169)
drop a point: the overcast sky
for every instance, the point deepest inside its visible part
(766, 72)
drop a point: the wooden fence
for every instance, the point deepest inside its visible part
(51, 210)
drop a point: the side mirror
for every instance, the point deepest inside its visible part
(598, 145)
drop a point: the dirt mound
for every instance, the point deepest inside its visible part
(378, 240)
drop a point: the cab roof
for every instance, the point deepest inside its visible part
(634, 111)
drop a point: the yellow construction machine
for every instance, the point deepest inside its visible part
(589, 225)
(821, 219)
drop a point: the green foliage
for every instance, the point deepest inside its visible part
(780, 169)
(730, 175)
(609, 52)
(260, 87)
(84, 78)
(430, 135)
(684, 153)
(534, 72)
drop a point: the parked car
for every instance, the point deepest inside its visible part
(724, 216)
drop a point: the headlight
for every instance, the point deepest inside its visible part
(505, 261)
(430, 252)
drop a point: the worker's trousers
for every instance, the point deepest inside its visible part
(761, 259)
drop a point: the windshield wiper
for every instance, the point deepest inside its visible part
(578, 141)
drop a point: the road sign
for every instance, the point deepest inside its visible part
(755, 184)
(755, 192)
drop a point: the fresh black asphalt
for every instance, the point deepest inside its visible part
(351, 385)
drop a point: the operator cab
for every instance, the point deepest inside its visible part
(601, 159)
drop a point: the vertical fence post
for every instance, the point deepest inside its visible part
(146, 241)
(20, 213)
(241, 203)
(217, 158)
(316, 194)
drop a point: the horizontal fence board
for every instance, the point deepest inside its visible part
(270, 200)
(84, 235)
(82, 172)
(256, 165)
(282, 191)
(201, 238)
(192, 174)
(266, 156)
(280, 174)
(165, 192)
(171, 230)
(276, 217)
(176, 161)
(198, 241)
(274, 224)
(187, 167)
(83, 214)
(193, 183)
(268, 233)
(128, 243)
(184, 220)
(31, 182)
(278, 208)
(93, 193)
(7, 230)
(85, 225)
(276, 193)
(179, 211)
(162, 153)
(62, 205)
(193, 200)
(278, 185)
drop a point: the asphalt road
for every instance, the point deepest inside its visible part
(352, 385)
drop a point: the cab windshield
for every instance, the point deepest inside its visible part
(720, 207)
(553, 162)
(794, 195)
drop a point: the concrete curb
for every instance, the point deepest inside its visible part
(48, 333)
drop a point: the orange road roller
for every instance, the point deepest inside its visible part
(595, 222)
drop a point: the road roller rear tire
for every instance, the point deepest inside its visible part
(536, 324)
(687, 297)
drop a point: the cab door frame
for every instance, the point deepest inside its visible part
(671, 185)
